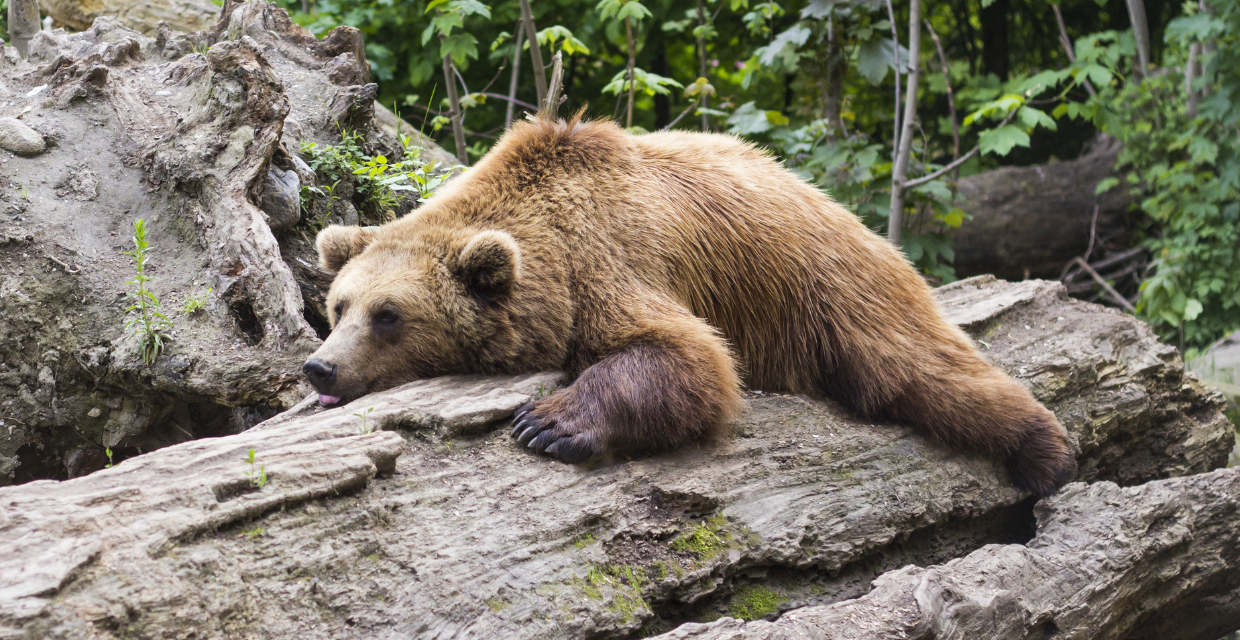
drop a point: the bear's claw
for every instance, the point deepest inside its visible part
(541, 435)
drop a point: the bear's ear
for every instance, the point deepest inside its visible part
(489, 264)
(338, 244)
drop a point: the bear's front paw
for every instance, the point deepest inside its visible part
(556, 437)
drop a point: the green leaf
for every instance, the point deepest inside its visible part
(1000, 141)
(1034, 118)
(776, 118)
(1106, 185)
(634, 10)
(1203, 150)
(873, 60)
(1192, 309)
(460, 47)
(748, 119)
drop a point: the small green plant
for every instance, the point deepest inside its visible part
(24, 193)
(195, 304)
(257, 473)
(252, 533)
(149, 324)
(108, 451)
(544, 390)
(365, 427)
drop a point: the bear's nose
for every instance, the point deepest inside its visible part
(321, 374)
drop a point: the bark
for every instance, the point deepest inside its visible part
(1157, 561)
(454, 110)
(895, 223)
(1033, 220)
(519, 38)
(531, 35)
(196, 133)
(628, 31)
(464, 534)
(701, 51)
(139, 15)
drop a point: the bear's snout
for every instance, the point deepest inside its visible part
(321, 374)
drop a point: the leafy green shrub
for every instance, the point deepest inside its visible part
(380, 184)
(148, 323)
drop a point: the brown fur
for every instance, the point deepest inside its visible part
(660, 271)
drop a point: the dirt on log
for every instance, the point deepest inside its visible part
(197, 134)
(1030, 221)
(438, 525)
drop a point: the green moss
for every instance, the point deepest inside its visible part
(252, 533)
(497, 604)
(622, 583)
(752, 602)
(584, 540)
(706, 540)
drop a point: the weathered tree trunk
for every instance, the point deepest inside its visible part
(1030, 221)
(445, 528)
(196, 133)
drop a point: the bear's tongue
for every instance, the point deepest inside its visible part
(327, 400)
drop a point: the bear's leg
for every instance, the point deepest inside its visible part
(670, 381)
(975, 406)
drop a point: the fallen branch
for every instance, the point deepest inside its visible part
(1114, 295)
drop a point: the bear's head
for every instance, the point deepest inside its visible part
(410, 306)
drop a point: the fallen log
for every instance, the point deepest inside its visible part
(1030, 221)
(1158, 561)
(466, 534)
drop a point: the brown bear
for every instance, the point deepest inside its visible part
(661, 272)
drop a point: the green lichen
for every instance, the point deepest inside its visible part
(497, 604)
(752, 602)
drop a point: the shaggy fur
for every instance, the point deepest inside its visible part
(660, 271)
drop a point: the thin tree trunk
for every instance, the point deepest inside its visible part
(531, 34)
(951, 100)
(1190, 72)
(454, 110)
(895, 48)
(1067, 45)
(833, 96)
(1141, 31)
(701, 43)
(900, 171)
(628, 27)
(23, 23)
(551, 108)
(516, 74)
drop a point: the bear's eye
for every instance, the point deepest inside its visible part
(386, 316)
